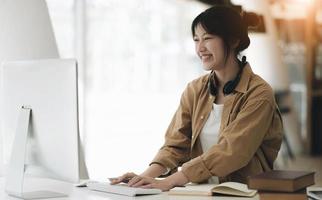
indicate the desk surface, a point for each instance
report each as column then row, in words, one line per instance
column 86, row 194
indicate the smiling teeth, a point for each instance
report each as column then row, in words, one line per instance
column 205, row 56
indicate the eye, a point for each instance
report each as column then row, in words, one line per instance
column 195, row 39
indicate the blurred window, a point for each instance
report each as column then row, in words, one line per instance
column 136, row 59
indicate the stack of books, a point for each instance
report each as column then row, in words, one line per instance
column 281, row 184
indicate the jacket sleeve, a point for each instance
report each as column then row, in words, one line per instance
column 176, row 149
column 237, row 144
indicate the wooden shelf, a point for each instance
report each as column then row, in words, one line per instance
column 300, row 22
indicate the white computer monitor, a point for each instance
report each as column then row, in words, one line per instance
column 26, row 32
column 40, row 111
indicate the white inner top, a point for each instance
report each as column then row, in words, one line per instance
column 210, row 132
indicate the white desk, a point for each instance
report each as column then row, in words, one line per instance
column 85, row 194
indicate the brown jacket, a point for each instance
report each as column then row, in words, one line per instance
column 250, row 132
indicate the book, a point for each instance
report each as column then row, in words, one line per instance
column 299, row 195
column 281, row 180
column 315, row 193
column 227, row 188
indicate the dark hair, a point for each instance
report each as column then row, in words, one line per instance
column 228, row 24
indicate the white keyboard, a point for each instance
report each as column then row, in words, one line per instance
column 121, row 189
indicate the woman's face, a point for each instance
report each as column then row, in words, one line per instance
column 209, row 48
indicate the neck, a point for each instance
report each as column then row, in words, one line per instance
column 228, row 72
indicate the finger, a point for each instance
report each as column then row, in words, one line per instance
column 130, row 174
column 134, row 180
column 147, row 186
column 124, row 178
column 141, row 183
column 113, row 180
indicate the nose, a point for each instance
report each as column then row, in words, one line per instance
column 200, row 47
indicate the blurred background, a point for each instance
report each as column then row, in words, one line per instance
column 136, row 57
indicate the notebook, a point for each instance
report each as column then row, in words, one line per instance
column 315, row 194
column 121, row 189
column 281, row 180
column 227, row 188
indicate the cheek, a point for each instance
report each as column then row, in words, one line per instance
column 196, row 49
column 217, row 52
column 213, row 48
column 221, row 49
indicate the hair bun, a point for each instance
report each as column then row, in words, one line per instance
column 251, row 19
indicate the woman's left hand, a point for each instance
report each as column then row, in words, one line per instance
column 148, row 182
column 176, row 179
column 164, row 185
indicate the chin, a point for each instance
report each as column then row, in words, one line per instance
column 207, row 68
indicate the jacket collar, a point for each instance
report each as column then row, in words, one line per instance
column 244, row 80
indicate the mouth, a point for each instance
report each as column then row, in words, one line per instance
column 205, row 57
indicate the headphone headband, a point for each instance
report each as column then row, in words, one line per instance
column 230, row 85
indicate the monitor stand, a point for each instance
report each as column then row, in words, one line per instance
column 16, row 169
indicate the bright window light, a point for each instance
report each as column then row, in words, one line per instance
column 139, row 56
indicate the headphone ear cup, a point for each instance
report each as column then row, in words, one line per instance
column 229, row 87
column 212, row 88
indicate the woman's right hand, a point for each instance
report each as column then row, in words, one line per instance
column 125, row 178
column 152, row 171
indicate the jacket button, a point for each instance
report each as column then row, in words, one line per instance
column 201, row 117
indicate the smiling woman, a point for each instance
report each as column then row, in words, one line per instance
column 227, row 126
